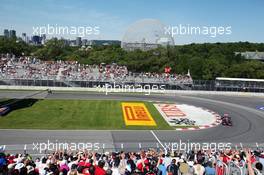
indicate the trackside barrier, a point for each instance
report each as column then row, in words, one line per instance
column 166, row 92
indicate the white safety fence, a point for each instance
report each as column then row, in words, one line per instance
column 146, row 92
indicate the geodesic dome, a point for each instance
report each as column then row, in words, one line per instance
column 147, row 31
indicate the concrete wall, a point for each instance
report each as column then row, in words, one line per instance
column 102, row 90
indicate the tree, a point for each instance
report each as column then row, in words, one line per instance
column 205, row 61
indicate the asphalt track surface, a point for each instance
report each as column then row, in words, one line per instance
column 247, row 130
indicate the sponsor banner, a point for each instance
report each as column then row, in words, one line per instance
column 137, row 114
column 185, row 115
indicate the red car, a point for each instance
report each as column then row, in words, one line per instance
column 226, row 120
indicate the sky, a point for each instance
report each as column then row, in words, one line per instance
column 113, row 17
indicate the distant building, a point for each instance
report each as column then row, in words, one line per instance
column 36, row 40
column 84, row 42
column 144, row 46
column 66, row 41
column 24, row 37
column 252, row 55
column 6, row 33
column 72, row 42
column 12, row 34
column 28, row 40
column 104, row 42
column 43, row 39
column 9, row 33
column 78, row 41
column 139, row 46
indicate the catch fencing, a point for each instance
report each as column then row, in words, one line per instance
column 199, row 85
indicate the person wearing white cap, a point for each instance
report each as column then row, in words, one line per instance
column 191, row 168
column 19, row 166
column 198, row 169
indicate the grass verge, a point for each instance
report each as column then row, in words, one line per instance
column 73, row 115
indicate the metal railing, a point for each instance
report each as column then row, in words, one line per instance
column 205, row 85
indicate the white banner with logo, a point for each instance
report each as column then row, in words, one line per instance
column 185, row 115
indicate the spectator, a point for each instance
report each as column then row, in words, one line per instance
column 259, row 167
column 161, row 167
column 173, row 168
column 199, row 169
column 148, row 162
column 184, row 167
column 99, row 170
column 26, row 68
column 73, row 172
column 209, row 169
column 123, row 164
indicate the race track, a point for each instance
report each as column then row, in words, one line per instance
column 248, row 126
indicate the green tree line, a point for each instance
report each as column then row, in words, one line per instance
column 205, row 61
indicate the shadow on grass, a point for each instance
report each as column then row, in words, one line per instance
column 15, row 104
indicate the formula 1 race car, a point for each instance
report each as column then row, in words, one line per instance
column 4, row 110
column 226, row 120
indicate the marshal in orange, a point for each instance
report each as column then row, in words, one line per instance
column 137, row 114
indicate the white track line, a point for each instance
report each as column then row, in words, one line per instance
column 158, row 140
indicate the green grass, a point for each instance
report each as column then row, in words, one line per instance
column 74, row 114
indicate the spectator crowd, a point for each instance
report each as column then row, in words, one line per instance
column 31, row 68
column 150, row 162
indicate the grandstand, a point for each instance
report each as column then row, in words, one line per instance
column 25, row 71
column 252, row 55
column 239, row 84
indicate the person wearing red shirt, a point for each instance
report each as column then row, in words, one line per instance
column 99, row 169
